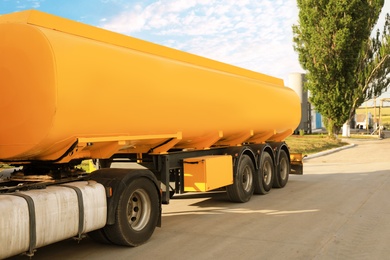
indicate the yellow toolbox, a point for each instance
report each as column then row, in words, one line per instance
column 207, row 172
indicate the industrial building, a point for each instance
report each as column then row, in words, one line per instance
column 311, row 120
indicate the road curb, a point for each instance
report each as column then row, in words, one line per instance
column 311, row 156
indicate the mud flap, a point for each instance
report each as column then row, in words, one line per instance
column 296, row 163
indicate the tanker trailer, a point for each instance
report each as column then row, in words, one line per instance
column 72, row 92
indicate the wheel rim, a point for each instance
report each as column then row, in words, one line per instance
column 283, row 168
column 267, row 172
column 247, row 178
column 138, row 209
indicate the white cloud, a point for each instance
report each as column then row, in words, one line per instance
column 247, row 33
column 28, row 4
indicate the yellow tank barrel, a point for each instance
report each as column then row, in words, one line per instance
column 70, row 90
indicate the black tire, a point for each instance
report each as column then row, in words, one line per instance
column 99, row 236
column 242, row 188
column 136, row 215
column 264, row 177
column 281, row 176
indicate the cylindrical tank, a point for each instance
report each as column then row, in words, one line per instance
column 58, row 211
column 296, row 82
column 61, row 80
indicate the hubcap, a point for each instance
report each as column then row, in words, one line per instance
column 283, row 168
column 267, row 171
column 138, row 209
column 247, row 178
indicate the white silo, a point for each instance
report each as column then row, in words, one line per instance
column 296, row 82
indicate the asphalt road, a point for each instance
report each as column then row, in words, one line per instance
column 339, row 209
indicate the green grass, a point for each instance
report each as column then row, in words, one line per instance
column 309, row 144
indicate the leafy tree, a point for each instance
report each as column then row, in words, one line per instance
column 373, row 71
column 329, row 40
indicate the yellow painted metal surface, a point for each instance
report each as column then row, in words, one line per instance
column 296, row 160
column 72, row 89
column 207, row 172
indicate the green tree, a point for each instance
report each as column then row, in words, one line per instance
column 373, row 70
column 329, row 39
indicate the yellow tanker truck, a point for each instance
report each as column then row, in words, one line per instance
column 71, row 92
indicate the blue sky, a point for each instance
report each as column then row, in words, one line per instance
column 254, row 34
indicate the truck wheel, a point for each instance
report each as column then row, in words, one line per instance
column 264, row 177
column 242, row 188
column 99, row 236
column 281, row 176
column 136, row 215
